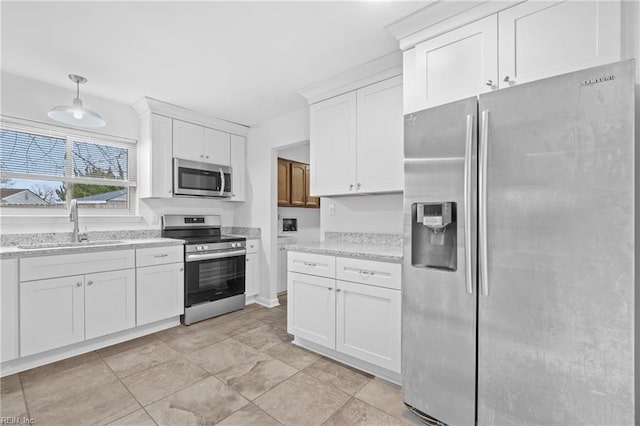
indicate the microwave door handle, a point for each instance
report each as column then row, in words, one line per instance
column 222, row 181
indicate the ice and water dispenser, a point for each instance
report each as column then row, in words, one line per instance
column 434, row 235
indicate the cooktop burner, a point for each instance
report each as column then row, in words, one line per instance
column 195, row 229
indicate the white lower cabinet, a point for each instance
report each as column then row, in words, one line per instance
column 368, row 323
column 109, row 302
column 159, row 292
column 51, row 313
column 252, row 271
column 360, row 318
column 9, row 310
column 311, row 312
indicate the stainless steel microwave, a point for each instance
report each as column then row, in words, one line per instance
column 193, row 178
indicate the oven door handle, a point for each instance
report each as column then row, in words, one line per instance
column 220, row 255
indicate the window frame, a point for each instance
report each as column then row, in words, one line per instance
column 71, row 135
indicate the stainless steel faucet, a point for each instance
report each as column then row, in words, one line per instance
column 73, row 217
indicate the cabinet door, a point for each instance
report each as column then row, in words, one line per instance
column 457, row 64
column 238, row 168
column 541, row 39
column 298, row 184
column 284, row 182
column 311, row 308
column 188, row 141
column 159, row 292
column 368, row 321
column 333, row 145
column 379, row 155
column 217, row 147
column 158, row 165
column 9, row 309
column 252, row 283
column 109, row 302
column 51, row 314
column 313, row 202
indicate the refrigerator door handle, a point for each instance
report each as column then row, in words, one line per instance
column 468, row 151
column 484, row 137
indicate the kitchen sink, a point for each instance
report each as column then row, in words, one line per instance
column 69, row 244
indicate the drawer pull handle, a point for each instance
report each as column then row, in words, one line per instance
column 160, row 255
column 366, row 274
column 309, row 264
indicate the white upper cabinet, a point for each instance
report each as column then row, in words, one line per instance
column 197, row 143
column 217, row 147
column 333, row 145
column 455, row 65
column 379, row 154
column 155, row 155
column 539, row 39
column 525, row 42
column 238, row 168
column 188, row 141
column 356, row 141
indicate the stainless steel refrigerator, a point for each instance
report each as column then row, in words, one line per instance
column 518, row 279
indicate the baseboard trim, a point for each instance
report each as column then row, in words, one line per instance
column 269, row 303
column 37, row 360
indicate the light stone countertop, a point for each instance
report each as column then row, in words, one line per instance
column 385, row 253
column 13, row 252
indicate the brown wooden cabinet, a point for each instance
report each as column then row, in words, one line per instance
column 284, row 182
column 293, row 185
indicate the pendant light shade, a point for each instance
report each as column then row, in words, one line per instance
column 76, row 114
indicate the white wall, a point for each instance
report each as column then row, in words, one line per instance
column 380, row 214
column 308, row 223
column 299, row 153
column 260, row 210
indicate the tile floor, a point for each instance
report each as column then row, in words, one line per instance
column 237, row 369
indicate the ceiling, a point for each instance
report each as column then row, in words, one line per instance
column 241, row 61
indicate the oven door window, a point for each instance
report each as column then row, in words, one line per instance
column 202, row 180
column 214, row 279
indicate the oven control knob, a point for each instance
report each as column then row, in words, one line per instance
column 234, row 244
column 205, row 248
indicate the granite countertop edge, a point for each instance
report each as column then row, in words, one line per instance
column 364, row 251
column 15, row 252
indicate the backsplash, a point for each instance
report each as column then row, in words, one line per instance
column 241, row 231
column 364, row 238
column 62, row 237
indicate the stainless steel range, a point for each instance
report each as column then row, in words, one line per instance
column 214, row 266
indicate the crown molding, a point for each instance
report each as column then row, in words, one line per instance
column 149, row 105
column 442, row 16
column 379, row 69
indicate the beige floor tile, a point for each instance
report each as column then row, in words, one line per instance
column 264, row 337
column 356, row 412
column 345, row 378
column 137, row 418
column 268, row 315
column 140, row 358
column 163, row 379
column 101, row 405
column 128, row 345
column 204, row 403
column 249, row 415
column 239, row 326
column 383, row 395
column 41, row 390
column 293, row 355
column 221, row 356
column 186, row 339
column 12, row 402
column 50, row 369
column 280, row 323
column 256, row 375
column 302, row 400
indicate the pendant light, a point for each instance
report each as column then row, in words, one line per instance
column 76, row 114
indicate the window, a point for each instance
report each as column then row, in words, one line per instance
column 44, row 166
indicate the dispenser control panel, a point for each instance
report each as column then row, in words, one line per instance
column 434, row 215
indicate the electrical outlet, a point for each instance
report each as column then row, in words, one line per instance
column 332, row 209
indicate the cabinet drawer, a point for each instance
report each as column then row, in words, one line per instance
column 36, row 268
column 159, row 255
column 381, row 274
column 312, row 264
column 253, row 246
